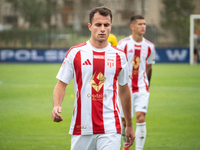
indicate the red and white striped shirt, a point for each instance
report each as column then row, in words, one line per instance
column 96, row 74
column 138, row 55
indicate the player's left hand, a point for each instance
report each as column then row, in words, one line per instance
column 130, row 136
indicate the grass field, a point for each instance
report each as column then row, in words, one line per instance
column 173, row 118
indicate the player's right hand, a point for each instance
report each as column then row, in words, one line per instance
column 130, row 76
column 55, row 114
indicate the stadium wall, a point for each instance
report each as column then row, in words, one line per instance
column 10, row 55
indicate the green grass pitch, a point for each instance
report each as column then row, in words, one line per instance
column 173, row 118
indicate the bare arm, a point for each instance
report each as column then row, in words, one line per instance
column 125, row 97
column 58, row 96
column 149, row 72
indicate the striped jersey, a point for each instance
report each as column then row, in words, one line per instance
column 96, row 74
column 138, row 55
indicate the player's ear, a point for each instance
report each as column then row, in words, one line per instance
column 131, row 26
column 89, row 26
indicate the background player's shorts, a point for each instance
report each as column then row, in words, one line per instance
column 139, row 102
column 110, row 141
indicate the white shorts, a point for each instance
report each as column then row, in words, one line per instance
column 96, row 142
column 139, row 103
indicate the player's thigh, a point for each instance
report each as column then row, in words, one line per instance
column 141, row 100
column 110, row 141
column 83, row 142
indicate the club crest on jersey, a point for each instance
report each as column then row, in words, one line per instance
column 97, row 81
column 144, row 51
column 110, row 62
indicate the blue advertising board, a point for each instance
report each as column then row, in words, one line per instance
column 32, row 55
column 163, row 55
column 172, row 55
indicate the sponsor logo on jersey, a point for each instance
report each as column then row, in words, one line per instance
column 99, row 56
column 136, row 62
column 137, row 47
column 79, row 127
column 131, row 51
column 110, row 62
column 97, row 81
column 87, row 62
column 135, row 71
column 97, row 96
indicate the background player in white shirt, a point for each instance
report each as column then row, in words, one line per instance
column 99, row 70
column 141, row 55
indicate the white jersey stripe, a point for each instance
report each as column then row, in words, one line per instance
column 116, row 109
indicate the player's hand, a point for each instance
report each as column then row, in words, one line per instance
column 55, row 114
column 130, row 136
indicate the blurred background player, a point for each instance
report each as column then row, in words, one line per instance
column 196, row 45
column 141, row 55
column 112, row 39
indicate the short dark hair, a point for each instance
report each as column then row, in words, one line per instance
column 104, row 11
column 135, row 17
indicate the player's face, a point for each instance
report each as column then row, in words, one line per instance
column 139, row 26
column 100, row 27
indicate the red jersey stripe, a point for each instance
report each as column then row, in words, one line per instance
column 135, row 73
column 78, row 71
column 125, row 50
column 97, row 104
column 149, row 52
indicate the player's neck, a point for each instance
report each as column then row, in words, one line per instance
column 98, row 45
column 137, row 38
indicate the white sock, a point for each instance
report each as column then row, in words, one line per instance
column 140, row 135
column 123, row 134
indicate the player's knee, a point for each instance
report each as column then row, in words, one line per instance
column 140, row 117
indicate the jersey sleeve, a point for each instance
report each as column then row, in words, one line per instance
column 151, row 58
column 123, row 75
column 65, row 73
